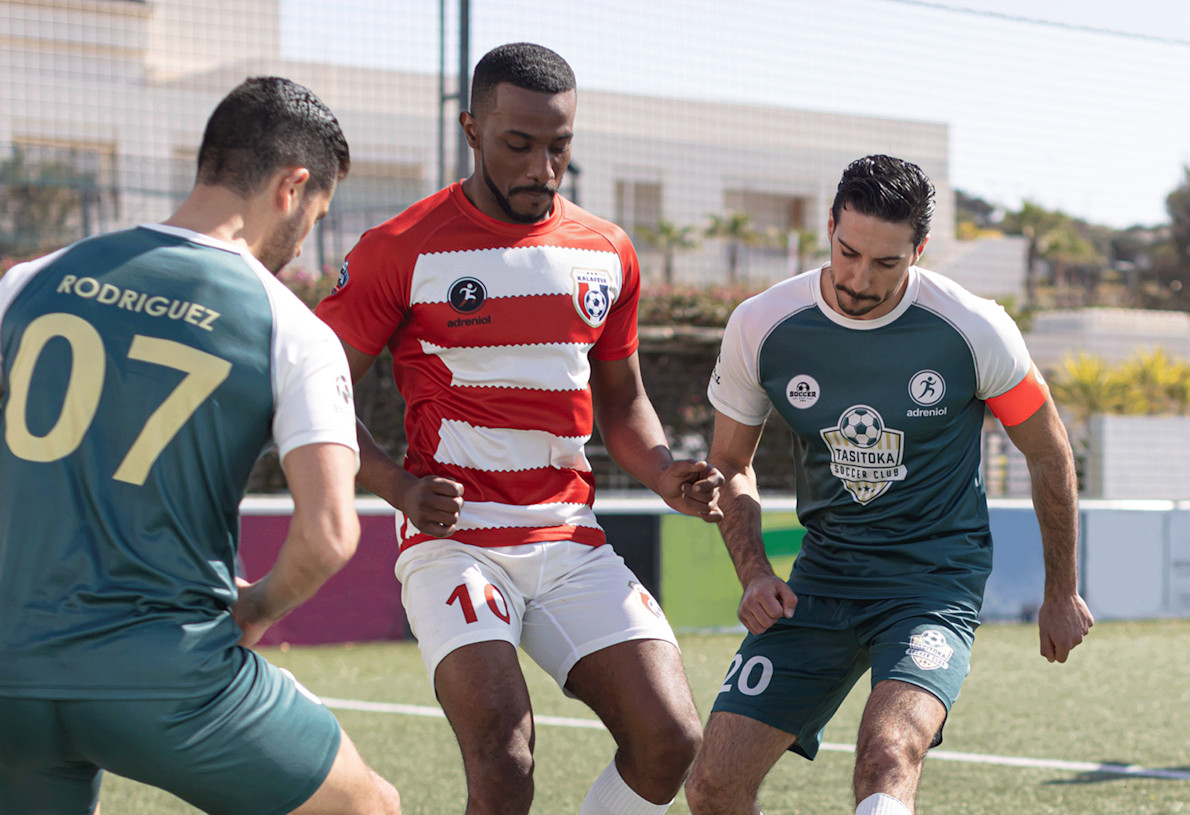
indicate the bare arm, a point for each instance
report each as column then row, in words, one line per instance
column 431, row 503
column 323, row 535
column 767, row 597
column 634, row 437
column 1064, row 619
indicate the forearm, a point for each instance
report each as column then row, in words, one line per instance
column 379, row 473
column 741, row 527
column 1055, row 500
column 297, row 576
column 635, row 440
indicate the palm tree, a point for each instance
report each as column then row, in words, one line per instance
column 1152, row 383
column 736, row 229
column 668, row 238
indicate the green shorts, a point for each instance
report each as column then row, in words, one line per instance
column 262, row 745
column 795, row 675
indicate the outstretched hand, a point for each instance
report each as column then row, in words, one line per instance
column 692, row 488
column 432, row 504
column 766, row 600
column 1062, row 624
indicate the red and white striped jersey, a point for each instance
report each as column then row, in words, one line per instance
column 490, row 325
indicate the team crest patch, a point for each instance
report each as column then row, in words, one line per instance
column 467, row 295
column 802, row 391
column 343, row 278
column 646, row 599
column 929, row 650
column 343, row 386
column 866, row 454
column 592, row 295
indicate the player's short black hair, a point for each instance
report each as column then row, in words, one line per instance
column 890, row 189
column 523, row 64
column 268, row 123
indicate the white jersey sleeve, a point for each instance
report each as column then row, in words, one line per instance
column 735, row 389
column 1001, row 359
column 311, row 378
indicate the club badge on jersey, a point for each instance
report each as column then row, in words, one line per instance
column 592, row 295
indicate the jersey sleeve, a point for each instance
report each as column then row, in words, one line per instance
column 311, row 381
column 735, row 389
column 619, row 337
column 370, row 300
column 1008, row 380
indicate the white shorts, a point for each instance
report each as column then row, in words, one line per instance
column 558, row 600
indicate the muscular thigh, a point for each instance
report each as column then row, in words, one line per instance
column 590, row 600
column 457, row 595
column 40, row 771
column 794, row 676
column 263, row 745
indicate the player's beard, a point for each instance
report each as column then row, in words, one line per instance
column 283, row 244
column 505, row 204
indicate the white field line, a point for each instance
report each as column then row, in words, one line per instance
column 940, row 755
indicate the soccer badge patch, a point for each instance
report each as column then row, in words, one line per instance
column 929, row 650
column 866, row 454
column 592, row 295
column 646, row 599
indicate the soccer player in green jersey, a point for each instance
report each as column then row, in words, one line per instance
column 144, row 371
column 883, row 370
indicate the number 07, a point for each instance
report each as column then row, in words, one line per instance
column 204, row 373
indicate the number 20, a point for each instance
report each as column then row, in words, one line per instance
column 745, row 683
column 204, row 373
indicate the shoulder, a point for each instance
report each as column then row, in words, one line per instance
column 413, row 226
column 584, row 224
column 778, row 302
column 969, row 313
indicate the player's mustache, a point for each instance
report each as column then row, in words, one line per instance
column 535, row 190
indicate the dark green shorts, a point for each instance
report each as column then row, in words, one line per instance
column 795, row 675
column 262, row 745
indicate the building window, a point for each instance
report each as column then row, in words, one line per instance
column 53, row 193
column 638, row 203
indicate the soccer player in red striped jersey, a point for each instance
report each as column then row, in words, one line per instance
column 884, row 372
column 511, row 317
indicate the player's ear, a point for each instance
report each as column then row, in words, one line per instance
column 921, row 247
column 288, row 186
column 470, row 127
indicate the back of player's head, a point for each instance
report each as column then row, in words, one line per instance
column 523, row 64
column 266, row 124
column 890, row 189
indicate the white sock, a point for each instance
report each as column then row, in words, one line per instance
column 609, row 795
column 881, row 804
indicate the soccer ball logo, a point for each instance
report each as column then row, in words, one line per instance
column 933, row 639
column 595, row 302
column 861, row 425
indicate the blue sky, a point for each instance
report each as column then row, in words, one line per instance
column 1061, row 112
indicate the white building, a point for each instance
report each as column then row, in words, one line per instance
column 120, row 91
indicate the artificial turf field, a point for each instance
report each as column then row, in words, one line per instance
column 1122, row 699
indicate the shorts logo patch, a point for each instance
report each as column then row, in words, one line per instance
column 646, row 599
column 467, row 295
column 929, row 650
column 592, row 295
column 803, row 391
column 927, row 388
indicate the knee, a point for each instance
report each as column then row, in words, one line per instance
column 500, row 778
column 707, row 794
column 668, row 750
column 888, row 756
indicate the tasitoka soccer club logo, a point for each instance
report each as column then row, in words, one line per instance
column 866, row 455
column 930, row 650
column 592, row 295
